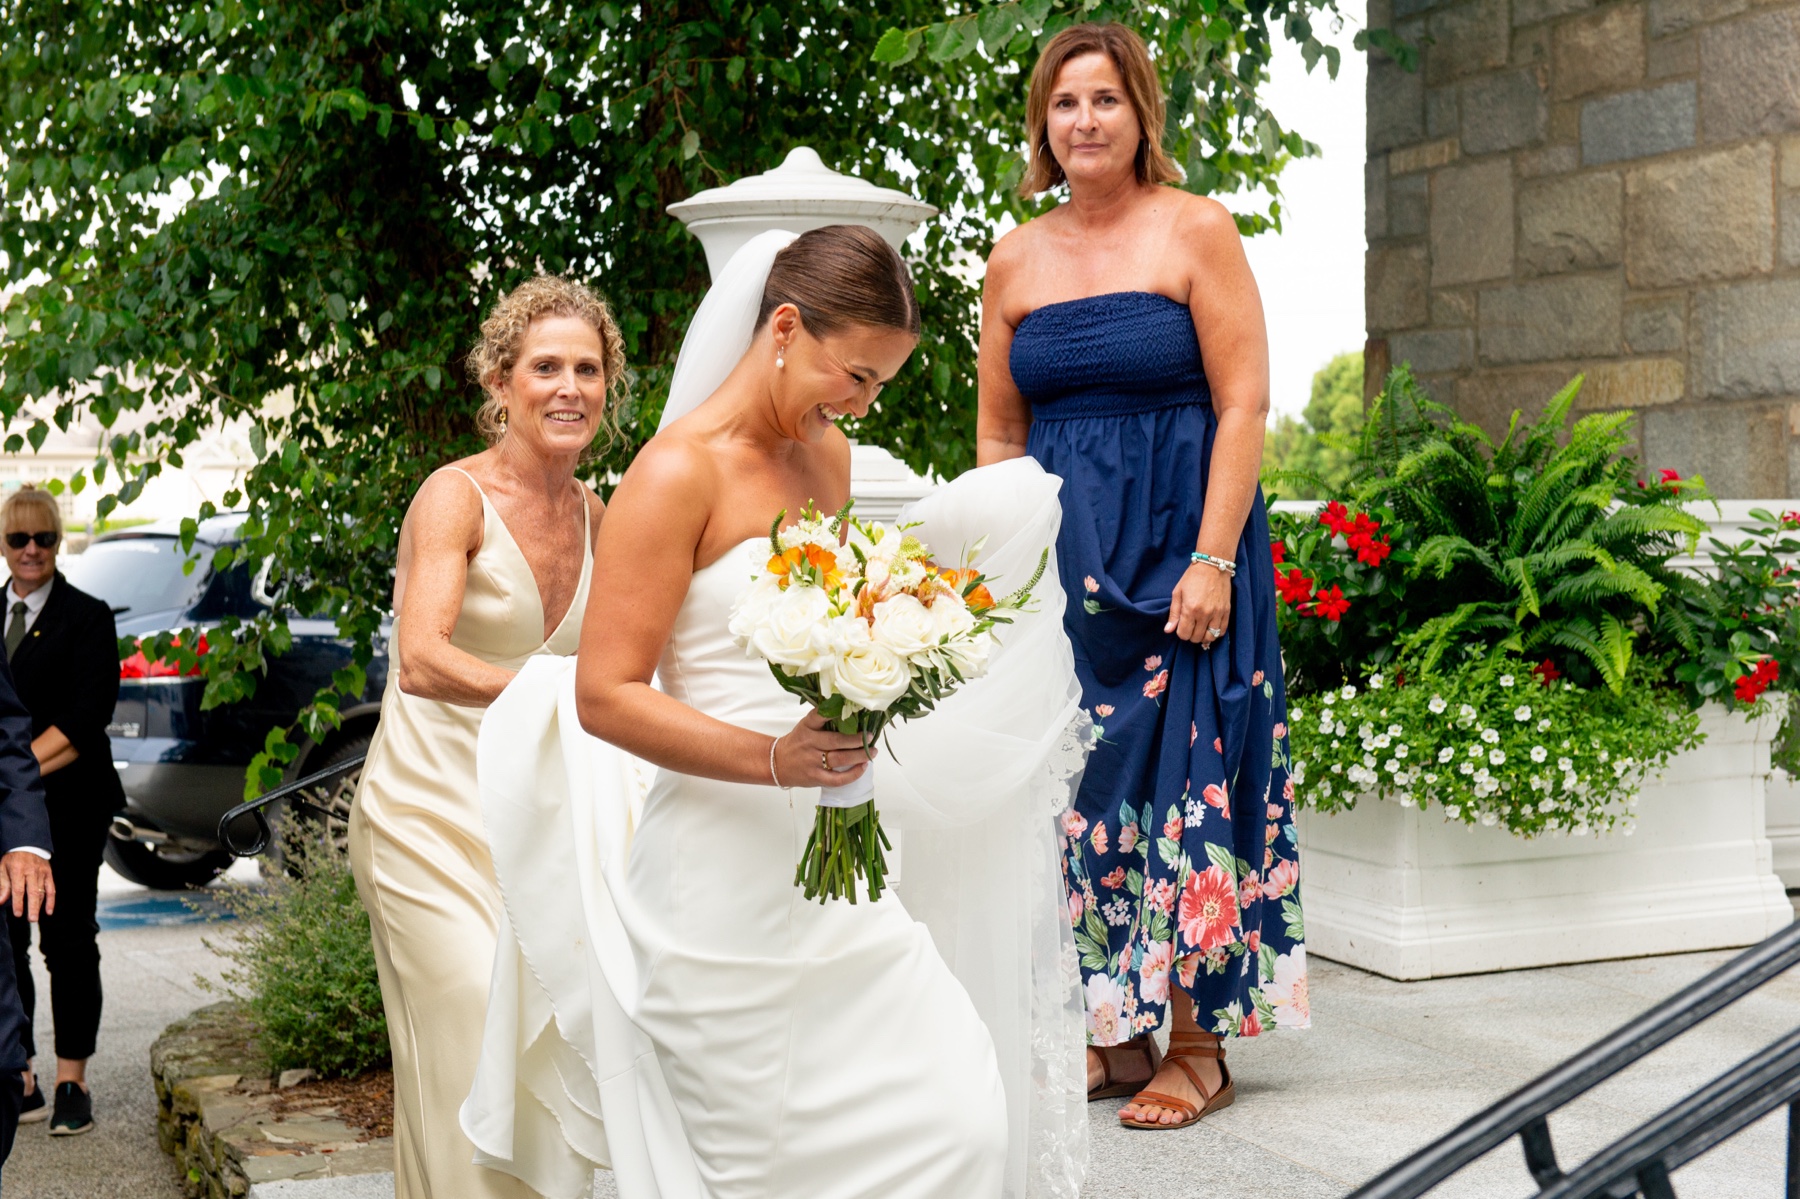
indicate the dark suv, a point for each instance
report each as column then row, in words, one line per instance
column 184, row 768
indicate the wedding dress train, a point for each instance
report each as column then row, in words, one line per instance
column 667, row 1003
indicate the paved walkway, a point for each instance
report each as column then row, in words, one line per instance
column 1387, row 1067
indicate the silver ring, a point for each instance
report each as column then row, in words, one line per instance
column 1214, row 632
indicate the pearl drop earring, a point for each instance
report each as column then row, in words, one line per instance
column 780, row 363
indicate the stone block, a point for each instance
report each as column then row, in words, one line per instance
column 1750, row 76
column 1669, row 57
column 1434, row 351
column 1551, row 160
column 1638, row 124
column 1453, row 308
column 1710, row 216
column 1657, row 325
column 1550, row 319
column 1600, row 52
column 1571, row 223
column 1472, row 223
column 1466, row 38
column 1531, row 46
column 1395, row 283
column 1529, row 12
column 1407, row 206
column 1746, row 340
column 1790, row 229
column 1441, row 112
column 1489, row 398
column 1423, row 157
column 1565, row 122
column 1673, row 16
column 1503, row 112
column 1640, row 384
column 1396, row 105
column 1790, row 162
column 1738, row 448
column 1375, row 221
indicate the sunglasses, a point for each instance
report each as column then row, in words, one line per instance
column 45, row 541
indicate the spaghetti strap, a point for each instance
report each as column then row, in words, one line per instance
column 471, row 478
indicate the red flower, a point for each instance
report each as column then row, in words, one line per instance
column 1294, row 587
column 1751, row 686
column 1249, row 892
column 1546, row 672
column 1251, row 1025
column 1335, row 517
column 1790, row 520
column 1172, row 830
column 1214, row 794
column 1670, row 476
column 1115, row 879
column 1209, row 909
column 1278, row 551
column 1330, row 604
column 1371, row 552
column 1156, row 686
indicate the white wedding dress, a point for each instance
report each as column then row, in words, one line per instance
column 667, row 1003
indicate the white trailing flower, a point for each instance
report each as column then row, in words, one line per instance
column 1522, row 713
column 1539, row 753
column 1437, row 705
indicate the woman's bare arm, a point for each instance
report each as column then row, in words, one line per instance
column 1234, row 346
column 1002, row 415
column 441, row 533
column 53, row 750
column 642, row 569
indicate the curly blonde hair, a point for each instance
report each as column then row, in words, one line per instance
column 503, row 332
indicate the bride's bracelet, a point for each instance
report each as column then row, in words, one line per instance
column 773, row 746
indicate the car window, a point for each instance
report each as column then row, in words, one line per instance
column 137, row 574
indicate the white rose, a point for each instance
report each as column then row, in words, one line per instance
column 905, row 626
column 950, row 617
column 753, row 608
column 786, row 634
column 968, row 654
column 871, row 676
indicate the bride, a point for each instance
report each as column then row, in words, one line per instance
column 665, row 1001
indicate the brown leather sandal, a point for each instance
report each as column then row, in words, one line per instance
column 1182, row 1046
column 1109, row 1088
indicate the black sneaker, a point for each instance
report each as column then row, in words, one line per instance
column 34, row 1109
column 74, row 1111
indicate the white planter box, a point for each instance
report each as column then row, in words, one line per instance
column 1784, row 826
column 1411, row 895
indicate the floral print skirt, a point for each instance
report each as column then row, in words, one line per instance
column 1181, row 858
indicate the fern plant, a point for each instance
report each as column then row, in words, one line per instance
column 1532, row 545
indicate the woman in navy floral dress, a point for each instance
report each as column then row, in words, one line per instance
column 1123, row 347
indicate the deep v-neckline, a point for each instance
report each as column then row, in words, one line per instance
column 537, row 592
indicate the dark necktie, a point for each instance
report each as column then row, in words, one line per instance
column 15, row 628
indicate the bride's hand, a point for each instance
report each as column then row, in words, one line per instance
column 811, row 754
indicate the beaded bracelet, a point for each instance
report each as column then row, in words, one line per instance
column 773, row 746
column 1229, row 568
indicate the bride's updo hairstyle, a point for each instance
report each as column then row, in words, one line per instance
column 841, row 277
column 1142, row 88
column 503, row 333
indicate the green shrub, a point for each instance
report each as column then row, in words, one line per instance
column 1313, row 456
column 303, row 965
column 1491, row 739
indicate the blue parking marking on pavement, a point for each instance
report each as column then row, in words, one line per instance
column 155, row 910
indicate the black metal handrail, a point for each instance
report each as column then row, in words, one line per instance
column 1642, row 1161
column 289, row 791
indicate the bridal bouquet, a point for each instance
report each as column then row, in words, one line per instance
column 857, row 619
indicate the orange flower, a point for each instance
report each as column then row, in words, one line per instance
column 978, row 600
column 823, row 561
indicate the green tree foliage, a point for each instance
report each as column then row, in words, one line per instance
column 1312, row 457
column 292, row 215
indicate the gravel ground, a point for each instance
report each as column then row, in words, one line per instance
column 150, row 953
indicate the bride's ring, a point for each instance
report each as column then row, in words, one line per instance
column 824, row 762
column 1214, row 632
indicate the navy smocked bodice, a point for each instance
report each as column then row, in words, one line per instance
column 1107, row 355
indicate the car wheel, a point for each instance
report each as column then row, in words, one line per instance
column 334, row 796
column 165, row 870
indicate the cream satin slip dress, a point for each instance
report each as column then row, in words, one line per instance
column 420, row 855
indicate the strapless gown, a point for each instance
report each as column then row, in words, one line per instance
column 676, row 1009
column 423, row 870
column 1183, row 864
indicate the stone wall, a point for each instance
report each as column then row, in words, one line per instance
column 1611, row 188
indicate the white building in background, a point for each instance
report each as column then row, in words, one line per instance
column 211, row 467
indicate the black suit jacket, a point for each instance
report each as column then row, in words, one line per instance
column 23, row 818
column 67, row 673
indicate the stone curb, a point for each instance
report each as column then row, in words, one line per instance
column 217, row 1114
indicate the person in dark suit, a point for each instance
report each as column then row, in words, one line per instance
column 27, row 887
column 62, row 649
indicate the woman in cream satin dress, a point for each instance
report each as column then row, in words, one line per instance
column 495, row 556
column 666, row 1001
